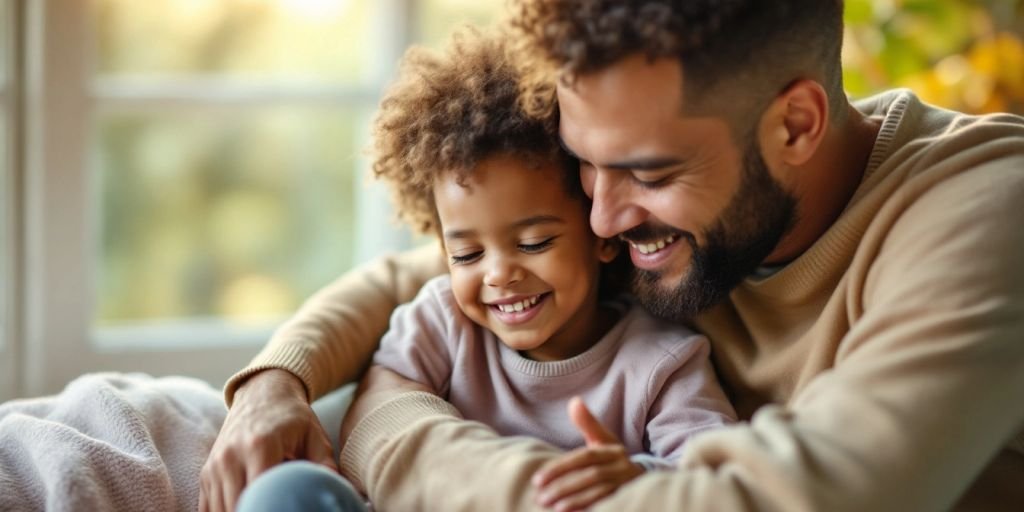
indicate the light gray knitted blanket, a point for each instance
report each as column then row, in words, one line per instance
column 109, row 442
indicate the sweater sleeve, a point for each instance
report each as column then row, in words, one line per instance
column 329, row 341
column 422, row 340
column 927, row 384
column 415, row 452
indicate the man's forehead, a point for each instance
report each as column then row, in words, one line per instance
column 635, row 72
column 617, row 113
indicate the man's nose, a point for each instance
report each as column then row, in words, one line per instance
column 613, row 211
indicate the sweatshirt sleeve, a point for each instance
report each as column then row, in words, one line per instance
column 422, row 340
column 330, row 340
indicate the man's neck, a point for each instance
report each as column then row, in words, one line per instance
column 827, row 182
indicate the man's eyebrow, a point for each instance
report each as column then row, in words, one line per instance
column 652, row 163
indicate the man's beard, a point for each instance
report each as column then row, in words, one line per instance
column 747, row 231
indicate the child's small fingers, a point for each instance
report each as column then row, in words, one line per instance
column 572, row 461
column 585, row 498
column 570, row 483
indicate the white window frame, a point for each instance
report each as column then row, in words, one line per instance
column 10, row 282
column 60, row 243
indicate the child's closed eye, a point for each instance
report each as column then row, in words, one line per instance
column 460, row 259
column 537, row 247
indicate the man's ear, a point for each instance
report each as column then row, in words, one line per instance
column 794, row 124
column 608, row 249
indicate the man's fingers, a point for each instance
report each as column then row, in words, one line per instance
column 204, row 495
column 319, row 449
column 261, row 457
column 232, row 481
column 231, row 488
column 593, row 431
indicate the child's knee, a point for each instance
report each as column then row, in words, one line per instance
column 300, row 485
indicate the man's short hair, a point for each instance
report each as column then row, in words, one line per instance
column 743, row 52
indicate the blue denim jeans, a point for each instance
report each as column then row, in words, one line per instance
column 300, row 486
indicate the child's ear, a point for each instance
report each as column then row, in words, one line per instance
column 608, row 249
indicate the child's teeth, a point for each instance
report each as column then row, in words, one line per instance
column 516, row 307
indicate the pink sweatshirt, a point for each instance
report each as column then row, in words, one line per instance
column 649, row 382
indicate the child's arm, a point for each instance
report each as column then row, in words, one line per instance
column 580, row 478
column 687, row 399
column 420, row 345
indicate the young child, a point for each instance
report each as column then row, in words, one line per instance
column 521, row 325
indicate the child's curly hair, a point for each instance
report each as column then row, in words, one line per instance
column 449, row 111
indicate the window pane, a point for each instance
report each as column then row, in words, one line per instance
column 239, row 214
column 439, row 17
column 319, row 39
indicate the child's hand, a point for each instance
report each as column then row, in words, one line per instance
column 583, row 476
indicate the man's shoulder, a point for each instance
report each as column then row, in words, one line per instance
column 933, row 134
column 925, row 154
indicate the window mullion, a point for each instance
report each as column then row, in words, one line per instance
column 10, row 206
column 57, row 224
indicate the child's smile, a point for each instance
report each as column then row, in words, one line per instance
column 518, row 310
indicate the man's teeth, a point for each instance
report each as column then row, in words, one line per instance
column 654, row 247
column 516, row 307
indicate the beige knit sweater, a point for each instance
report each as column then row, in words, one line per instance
column 881, row 370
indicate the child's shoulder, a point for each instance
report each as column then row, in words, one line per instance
column 441, row 284
column 438, row 293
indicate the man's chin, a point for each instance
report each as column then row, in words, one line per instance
column 664, row 297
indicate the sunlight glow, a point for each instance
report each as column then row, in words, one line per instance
column 313, row 10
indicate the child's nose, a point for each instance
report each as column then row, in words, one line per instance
column 503, row 272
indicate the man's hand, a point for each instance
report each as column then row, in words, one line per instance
column 270, row 422
column 583, row 476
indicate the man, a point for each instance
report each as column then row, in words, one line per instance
column 855, row 267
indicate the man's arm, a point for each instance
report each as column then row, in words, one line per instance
column 327, row 343
column 926, row 388
column 925, row 392
column 410, row 450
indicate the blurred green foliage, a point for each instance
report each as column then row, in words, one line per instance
column 965, row 55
